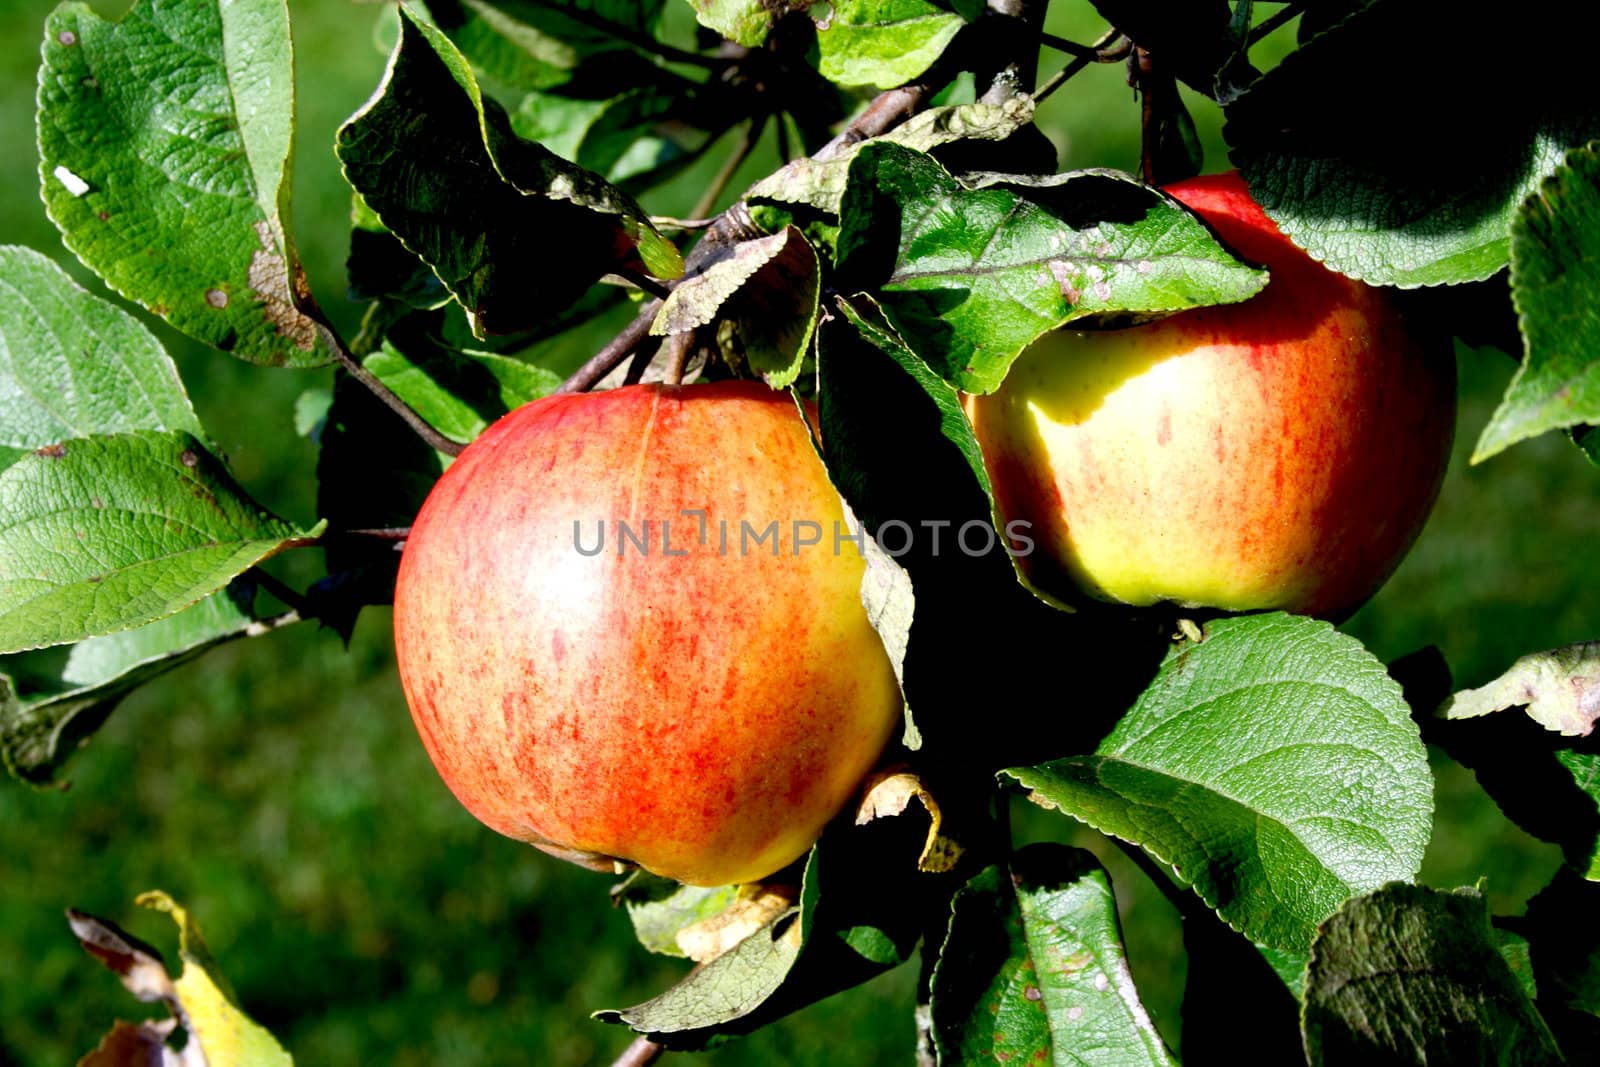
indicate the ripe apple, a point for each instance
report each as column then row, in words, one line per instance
column 603, row 660
column 1279, row 453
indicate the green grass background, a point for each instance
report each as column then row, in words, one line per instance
column 278, row 790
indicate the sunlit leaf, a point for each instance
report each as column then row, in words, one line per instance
column 164, row 146
column 106, row 533
column 1273, row 766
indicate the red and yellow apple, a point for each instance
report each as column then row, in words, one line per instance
column 606, row 657
column 1279, row 453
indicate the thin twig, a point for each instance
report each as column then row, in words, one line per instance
column 785, row 149
column 641, row 1053
column 388, row 533
column 725, row 173
column 642, row 357
column 1267, row 25
column 1071, row 48
column 382, row 533
column 260, row 627
column 605, row 360
column 282, row 590
column 1110, row 48
column 642, row 41
column 668, row 222
column 888, row 109
column 420, row 426
column 643, row 281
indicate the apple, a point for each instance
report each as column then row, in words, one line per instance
column 628, row 628
column 1279, row 453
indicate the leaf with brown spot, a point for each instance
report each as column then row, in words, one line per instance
column 175, row 125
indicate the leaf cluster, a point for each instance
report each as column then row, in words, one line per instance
column 1268, row 772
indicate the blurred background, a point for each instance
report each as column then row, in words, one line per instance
column 276, row 787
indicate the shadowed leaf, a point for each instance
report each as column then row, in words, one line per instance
column 1555, row 274
column 1413, row 975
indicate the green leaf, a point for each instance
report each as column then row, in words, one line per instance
column 883, row 43
column 891, row 602
column 665, row 907
column 1274, row 766
column 373, row 472
column 52, row 700
column 901, row 452
column 744, row 22
column 1033, row 969
column 1555, row 278
column 1405, row 173
column 1515, row 951
column 164, row 147
column 459, row 393
column 1290, row 966
column 105, row 533
column 1560, row 690
column 861, row 907
column 220, row 1033
column 515, row 232
column 72, row 364
column 765, row 293
column 962, row 456
column 971, row 275
column 1413, row 975
column 734, row 984
column 530, row 45
column 615, row 137
column 820, row 183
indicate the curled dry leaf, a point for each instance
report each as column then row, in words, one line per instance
column 1560, row 689
column 755, row 906
column 140, row 1045
column 139, row 965
column 219, row 1032
column 889, row 793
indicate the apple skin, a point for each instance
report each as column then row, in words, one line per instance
column 1279, row 453
column 701, row 715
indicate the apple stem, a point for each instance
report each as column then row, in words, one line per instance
column 604, row 361
column 1170, row 148
column 677, row 347
column 641, row 1053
